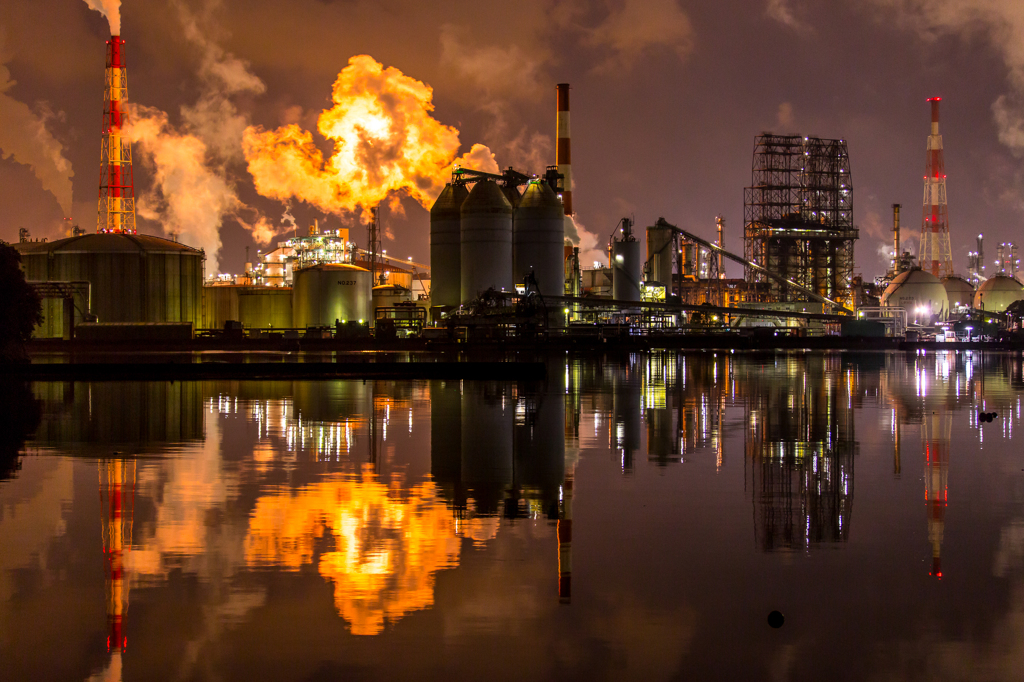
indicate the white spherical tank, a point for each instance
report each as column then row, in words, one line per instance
column 959, row 292
column 539, row 238
column 486, row 254
column 997, row 293
column 626, row 270
column 920, row 293
column 446, row 246
column 329, row 293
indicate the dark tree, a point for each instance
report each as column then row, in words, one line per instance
column 20, row 308
column 19, row 418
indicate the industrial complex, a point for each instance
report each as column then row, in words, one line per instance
column 501, row 266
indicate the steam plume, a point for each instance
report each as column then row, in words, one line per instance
column 577, row 235
column 385, row 140
column 24, row 137
column 111, row 9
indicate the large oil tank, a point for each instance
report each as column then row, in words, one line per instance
column 539, row 239
column 626, row 270
column 659, row 254
column 920, row 293
column 486, row 255
column 446, row 246
column 328, row 293
column 265, row 307
column 220, row 304
column 996, row 293
column 387, row 296
column 959, row 292
column 134, row 277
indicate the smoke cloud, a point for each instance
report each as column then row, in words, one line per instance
column 111, row 9
column 1002, row 21
column 634, row 27
column 24, row 138
column 384, row 137
column 188, row 196
column 590, row 247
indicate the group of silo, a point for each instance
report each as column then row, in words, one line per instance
column 493, row 238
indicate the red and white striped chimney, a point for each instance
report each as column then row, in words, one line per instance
column 562, row 156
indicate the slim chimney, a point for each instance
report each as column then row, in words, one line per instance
column 896, row 238
column 562, row 156
column 720, row 222
column 117, row 186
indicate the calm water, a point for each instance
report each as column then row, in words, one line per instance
column 631, row 518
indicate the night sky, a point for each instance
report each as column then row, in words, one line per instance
column 667, row 99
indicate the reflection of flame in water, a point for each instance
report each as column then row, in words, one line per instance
column 388, row 543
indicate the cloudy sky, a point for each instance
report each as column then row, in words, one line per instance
column 667, row 98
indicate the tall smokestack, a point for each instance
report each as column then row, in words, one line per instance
column 896, row 238
column 720, row 224
column 936, row 254
column 562, row 155
column 117, row 186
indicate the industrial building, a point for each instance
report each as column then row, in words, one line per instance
column 501, row 266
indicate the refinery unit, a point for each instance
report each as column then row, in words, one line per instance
column 501, row 266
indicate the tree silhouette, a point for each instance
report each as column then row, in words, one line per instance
column 20, row 309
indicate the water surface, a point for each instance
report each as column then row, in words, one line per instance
column 633, row 517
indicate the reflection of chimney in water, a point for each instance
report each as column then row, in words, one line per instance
column 936, row 491
column 565, row 543
column 117, row 491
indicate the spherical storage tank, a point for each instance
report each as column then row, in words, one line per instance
column 133, row 277
column 486, row 254
column 997, row 293
column 446, row 246
column 328, row 293
column 959, row 292
column 920, row 293
column 538, row 239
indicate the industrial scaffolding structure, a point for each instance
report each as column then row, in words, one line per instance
column 798, row 217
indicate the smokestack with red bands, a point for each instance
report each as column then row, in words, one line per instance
column 562, row 155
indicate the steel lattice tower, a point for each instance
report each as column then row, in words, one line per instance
column 935, row 256
column 117, row 186
column 798, row 216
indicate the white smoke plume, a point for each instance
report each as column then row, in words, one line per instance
column 111, row 9
column 193, row 192
column 1002, row 22
column 591, row 250
column 24, row 137
column 189, row 196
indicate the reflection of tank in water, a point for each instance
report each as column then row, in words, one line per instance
column 801, row 451
column 141, row 415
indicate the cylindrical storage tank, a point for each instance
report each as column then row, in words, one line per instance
column 920, row 293
column 387, row 296
column 446, row 439
column 488, row 412
column 997, row 293
column 486, row 254
column 265, row 307
column 328, row 293
column 959, row 292
column 134, row 277
column 511, row 193
column 626, row 270
column 446, row 246
column 220, row 304
column 659, row 254
column 538, row 241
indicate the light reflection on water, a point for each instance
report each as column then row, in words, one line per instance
column 299, row 522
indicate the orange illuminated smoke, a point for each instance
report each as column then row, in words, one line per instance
column 384, row 140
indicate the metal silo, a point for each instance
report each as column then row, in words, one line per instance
column 626, row 270
column 220, row 304
column 486, row 254
column 487, row 418
column 446, row 246
column 539, row 238
column 134, row 277
column 265, row 307
column 659, row 254
column 328, row 293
